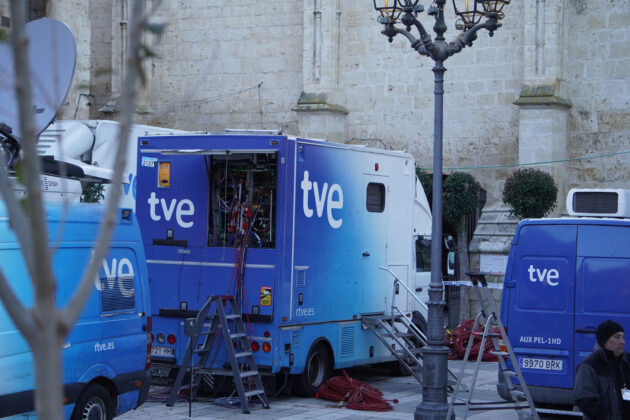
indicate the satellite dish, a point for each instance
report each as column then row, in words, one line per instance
column 52, row 53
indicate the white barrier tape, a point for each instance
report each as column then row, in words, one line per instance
column 469, row 283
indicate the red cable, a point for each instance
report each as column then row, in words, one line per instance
column 459, row 338
column 356, row 394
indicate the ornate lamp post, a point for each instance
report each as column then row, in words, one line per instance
column 470, row 14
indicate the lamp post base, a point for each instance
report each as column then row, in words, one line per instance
column 431, row 411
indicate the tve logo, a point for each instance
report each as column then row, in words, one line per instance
column 116, row 270
column 184, row 208
column 331, row 198
column 545, row 275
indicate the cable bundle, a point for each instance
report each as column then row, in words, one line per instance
column 356, row 394
column 457, row 341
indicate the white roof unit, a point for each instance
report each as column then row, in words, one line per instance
column 599, row 202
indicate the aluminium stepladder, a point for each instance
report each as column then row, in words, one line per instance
column 492, row 329
column 228, row 319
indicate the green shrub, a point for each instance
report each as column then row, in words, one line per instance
column 530, row 193
column 460, row 193
column 92, row 193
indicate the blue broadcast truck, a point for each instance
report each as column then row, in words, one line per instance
column 106, row 356
column 564, row 276
column 296, row 230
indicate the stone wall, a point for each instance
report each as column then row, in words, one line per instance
column 247, row 64
column 552, row 85
column 597, row 78
column 75, row 14
column 235, row 65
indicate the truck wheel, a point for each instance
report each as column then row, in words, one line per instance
column 316, row 371
column 419, row 321
column 95, row 404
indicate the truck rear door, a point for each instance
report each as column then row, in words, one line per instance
column 376, row 285
column 602, row 284
column 540, row 315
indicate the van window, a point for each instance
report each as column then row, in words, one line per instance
column 423, row 254
column 375, row 197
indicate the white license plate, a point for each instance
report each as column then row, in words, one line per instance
column 162, row 351
column 542, row 364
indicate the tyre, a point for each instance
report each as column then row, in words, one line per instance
column 316, row 371
column 95, row 403
column 396, row 368
column 419, row 321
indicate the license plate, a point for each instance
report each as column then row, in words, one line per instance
column 162, row 351
column 542, row 364
column 160, row 372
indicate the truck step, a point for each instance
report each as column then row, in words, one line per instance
column 253, row 392
column 248, row 373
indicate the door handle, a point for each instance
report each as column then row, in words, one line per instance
column 366, row 254
column 585, row 330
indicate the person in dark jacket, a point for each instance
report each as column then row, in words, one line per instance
column 602, row 384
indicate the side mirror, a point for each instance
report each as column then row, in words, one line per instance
column 450, row 263
column 449, row 243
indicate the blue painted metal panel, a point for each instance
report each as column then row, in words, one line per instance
column 542, row 270
column 555, row 317
column 603, row 284
column 110, row 338
column 313, row 279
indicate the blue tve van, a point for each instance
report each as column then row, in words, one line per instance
column 296, row 229
column 563, row 277
column 106, row 356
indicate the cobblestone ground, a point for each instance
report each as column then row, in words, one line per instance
column 405, row 389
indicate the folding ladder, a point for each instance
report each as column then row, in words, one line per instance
column 228, row 319
column 492, row 329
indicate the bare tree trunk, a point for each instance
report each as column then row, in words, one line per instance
column 44, row 326
column 463, row 267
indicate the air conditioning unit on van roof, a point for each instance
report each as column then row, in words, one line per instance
column 598, row 202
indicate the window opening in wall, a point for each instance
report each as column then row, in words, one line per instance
column 375, row 197
column 243, row 190
column 36, row 9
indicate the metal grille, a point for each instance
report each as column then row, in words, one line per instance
column 118, row 294
column 347, row 341
column 301, row 278
column 595, row 202
column 295, row 339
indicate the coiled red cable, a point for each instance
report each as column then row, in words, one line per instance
column 354, row 394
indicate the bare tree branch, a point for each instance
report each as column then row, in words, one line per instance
column 19, row 223
column 36, row 250
column 75, row 306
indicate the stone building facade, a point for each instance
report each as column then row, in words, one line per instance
column 552, row 85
